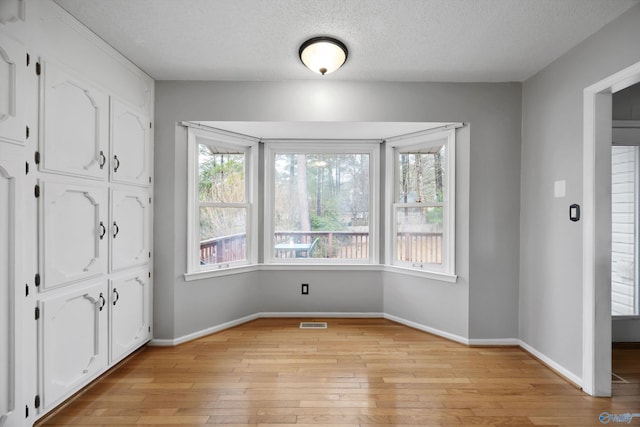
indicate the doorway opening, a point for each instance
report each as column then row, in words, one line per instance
column 597, row 229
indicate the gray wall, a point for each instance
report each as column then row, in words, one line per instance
column 550, row 244
column 488, row 233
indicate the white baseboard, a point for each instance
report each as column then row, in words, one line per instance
column 322, row 314
column 364, row 315
column 202, row 333
column 568, row 375
column 429, row 329
column 494, row 342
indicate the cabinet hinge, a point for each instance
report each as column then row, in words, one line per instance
column 26, row 411
column 26, row 290
column 36, row 402
column 37, row 315
column 26, row 168
column 28, row 59
column 27, row 132
column 37, row 68
column 36, row 157
column 36, row 279
column 36, row 191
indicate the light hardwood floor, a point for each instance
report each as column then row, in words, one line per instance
column 358, row 372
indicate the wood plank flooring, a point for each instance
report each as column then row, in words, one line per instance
column 358, row 372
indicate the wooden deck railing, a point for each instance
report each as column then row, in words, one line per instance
column 330, row 244
column 223, row 249
column 419, row 247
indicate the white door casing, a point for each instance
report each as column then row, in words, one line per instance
column 73, row 240
column 596, row 229
column 130, row 145
column 74, row 124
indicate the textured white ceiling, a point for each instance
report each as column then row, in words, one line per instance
column 388, row 40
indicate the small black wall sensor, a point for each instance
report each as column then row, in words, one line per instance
column 574, row 212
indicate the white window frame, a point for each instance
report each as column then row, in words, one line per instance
column 395, row 146
column 197, row 134
column 370, row 147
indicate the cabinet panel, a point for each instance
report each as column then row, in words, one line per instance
column 72, row 237
column 11, row 11
column 9, row 276
column 16, row 94
column 74, row 119
column 74, row 340
column 130, row 228
column 130, row 299
column 130, row 145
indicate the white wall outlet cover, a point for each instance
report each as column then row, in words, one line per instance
column 560, row 189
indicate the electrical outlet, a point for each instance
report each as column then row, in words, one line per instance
column 305, row 289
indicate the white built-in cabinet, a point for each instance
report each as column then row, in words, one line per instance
column 74, row 339
column 130, row 228
column 130, row 145
column 74, row 118
column 95, row 221
column 14, row 84
column 11, row 274
column 129, row 312
column 73, row 238
column 75, row 208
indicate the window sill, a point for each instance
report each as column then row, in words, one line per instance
column 219, row 272
column 318, row 266
column 442, row 277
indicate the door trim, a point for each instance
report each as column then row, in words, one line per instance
column 596, row 227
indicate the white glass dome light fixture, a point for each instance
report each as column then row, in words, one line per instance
column 323, row 55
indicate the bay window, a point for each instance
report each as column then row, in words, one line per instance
column 320, row 199
column 221, row 199
column 421, row 185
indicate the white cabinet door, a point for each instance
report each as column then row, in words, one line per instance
column 10, row 277
column 130, row 145
column 130, row 227
column 74, row 340
column 73, row 240
column 130, row 299
column 74, row 124
column 17, row 89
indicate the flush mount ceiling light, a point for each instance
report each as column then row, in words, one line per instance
column 323, row 55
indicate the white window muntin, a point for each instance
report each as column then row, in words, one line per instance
column 197, row 135
column 274, row 147
column 411, row 143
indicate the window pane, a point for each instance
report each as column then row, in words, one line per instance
column 221, row 173
column 421, row 175
column 419, row 234
column 223, row 235
column 321, row 200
